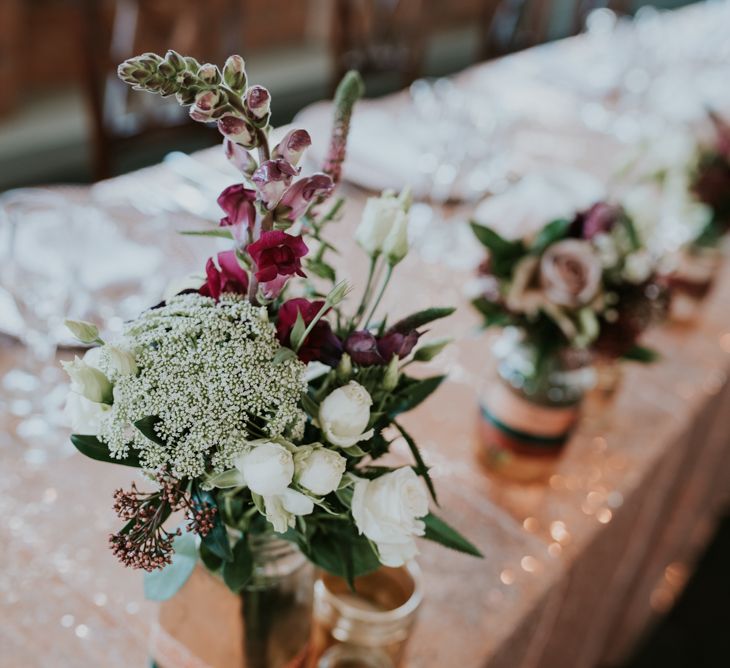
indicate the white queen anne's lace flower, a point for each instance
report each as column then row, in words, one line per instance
column 207, row 372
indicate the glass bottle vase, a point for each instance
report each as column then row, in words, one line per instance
column 266, row 626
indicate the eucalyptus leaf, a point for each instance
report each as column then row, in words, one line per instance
column 162, row 585
column 93, row 448
column 238, row 572
column 439, row 532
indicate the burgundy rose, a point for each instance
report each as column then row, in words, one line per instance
column 599, row 219
column 277, row 253
column 272, row 179
column 228, row 276
column 301, row 194
column 238, row 203
column 293, row 145
column 321, row 344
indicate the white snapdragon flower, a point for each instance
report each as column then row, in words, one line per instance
column 387, row 511
column 87, row 380
column 267, row 468
column 344, row 415
column 319, row 470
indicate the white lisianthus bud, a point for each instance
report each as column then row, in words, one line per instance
column 86, row 332
column 377, row 220
column 387, row 511
column 121, row 362
column 344, row 368
column 281, row 509
column 267, row 468
column 88, row 381
column 638, row 266
column 85, row 416
column 319, row 470
column 395, row 245
column 344, row 415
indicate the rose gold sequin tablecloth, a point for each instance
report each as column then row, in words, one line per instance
column 574, row 569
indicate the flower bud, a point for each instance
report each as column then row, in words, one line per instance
column 234, row 73
column 344, row 368
column 238, row 130
column 392, row 374
column 205, row 102
column 258, row 102
column 395, row 245
column 174, row 59
column 292, row 146
column 239, row 157
column 319, row 470
column 210, row 74
column 377, row 219
column 86, row 332
column 88, row 381
column 344, row 415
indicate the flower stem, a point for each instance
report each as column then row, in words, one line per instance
column 366, row 292
column 388, row 274
column 310, row 326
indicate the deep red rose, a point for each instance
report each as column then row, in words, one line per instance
column 321, row 344
column 228, row 276
column 277, row 253
column 599, row 219
column 238, row 203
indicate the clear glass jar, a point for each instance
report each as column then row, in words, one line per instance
column 266, row 626
column 367, row 627
column 529, row 410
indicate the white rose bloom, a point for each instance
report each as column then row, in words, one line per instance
column 121, row 361
column 570, row 273
column 387, row 511
column 319, row 470
column 344, row 415
column 377, row 220
column 267, row 468
column 395, row 245
column 87, row 380
column 85, row 416
column 638, row 266
column 281, row 509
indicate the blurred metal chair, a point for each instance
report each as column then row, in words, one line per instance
column 118, row 29
column 378, row 36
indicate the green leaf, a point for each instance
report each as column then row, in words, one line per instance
column 420, row 468
column 93, row 448
column 641, row 354
column 421, row 318
column 310, row 405
column 430, row 350
column 220, row 232
column 503, row 253
column 341, row 552
column 297, row 332
column 226, row 479
column 147, row 426
column 283, row 354
column 548, row 235
column 216, row 540
column 211, row 561
column 439, row 532
column 237, row 573
column 322, row 269
column 494, row 314
column 413, row 394
column 164, row 584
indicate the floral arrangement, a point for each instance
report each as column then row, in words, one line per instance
column 252, row 399
column 710, row 181
column 585, row 284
